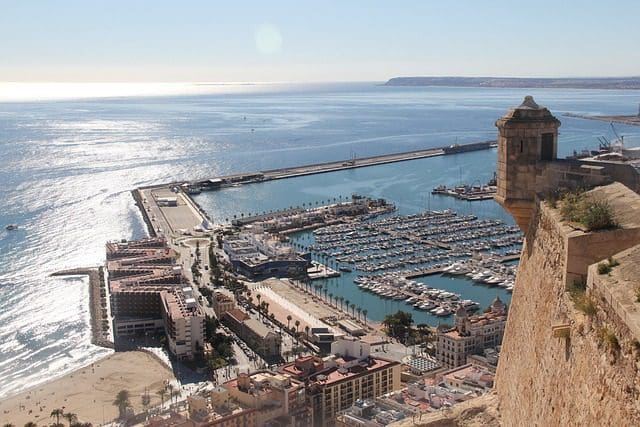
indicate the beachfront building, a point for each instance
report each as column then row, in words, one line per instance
column 222, row 303
column 471, row 335
column 337, row 381
column 183, row 323
column 257, row 256
column 149, row 296
column 138, row 272
column 264, row 341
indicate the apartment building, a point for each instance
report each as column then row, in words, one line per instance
column 337, row 381
column 183, row 322
column 258, row 336
column 471, row 335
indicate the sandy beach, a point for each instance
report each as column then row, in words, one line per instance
column 89, row 391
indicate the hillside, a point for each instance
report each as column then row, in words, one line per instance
column 517, row 82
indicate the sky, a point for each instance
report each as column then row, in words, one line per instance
column 281, row 41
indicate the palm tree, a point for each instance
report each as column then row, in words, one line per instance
column 122, row 402
column 162, row 393
column 353, row 309
column 29, row 424
column 297, row 326
column 358, row 310
column 70, row 417
column 346, row 302
column 289, row 321
column 170, row 390
column 306, row 331
column 57, row 413
column 259, row 297
column 364, row 314
column 145, row 399
column 330, row 297
column 175, row 394
column 340, row 298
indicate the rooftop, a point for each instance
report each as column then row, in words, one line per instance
column 337, row 374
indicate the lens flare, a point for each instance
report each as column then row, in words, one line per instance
column 268, row 39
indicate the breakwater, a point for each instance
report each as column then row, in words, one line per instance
column 100, row 334
column 624, row 120
column 215, row 183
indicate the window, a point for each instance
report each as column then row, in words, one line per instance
column 546, row 149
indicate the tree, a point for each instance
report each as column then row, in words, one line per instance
column 425, row 331
column 364, row 315
column 170, row 389
column 175, row 394
column 57, row 413
column 306, row 330
column 346, row 302
column 122, row 402
column 359, row 310
column 340, row 298
column 30, row 424
column 353, row 309
column 70, row 417
column 330, row 298
column 398, row 324
column 289, row 321
column 297, row 323
column 145, row 399
column 258, row 296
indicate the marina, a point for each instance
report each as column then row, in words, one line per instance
column 387, row 253
column 468, row 192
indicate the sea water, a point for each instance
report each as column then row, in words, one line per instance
column 68, row 167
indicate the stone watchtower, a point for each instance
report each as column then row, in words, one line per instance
column 527, row 135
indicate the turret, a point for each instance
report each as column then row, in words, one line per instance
column 527, row 134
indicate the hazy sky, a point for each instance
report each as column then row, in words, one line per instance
column 272, row 40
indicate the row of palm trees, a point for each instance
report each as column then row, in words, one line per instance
column 335, row 299
column 58, row 413
column 304, row 206
column 170, row 391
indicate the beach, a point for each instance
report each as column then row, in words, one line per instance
column 89, row 392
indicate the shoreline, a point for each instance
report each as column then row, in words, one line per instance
column 89, row 391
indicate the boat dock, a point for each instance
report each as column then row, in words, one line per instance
column 438, row 270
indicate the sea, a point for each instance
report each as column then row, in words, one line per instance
column 70, row 160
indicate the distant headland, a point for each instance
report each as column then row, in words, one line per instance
column 520, row 82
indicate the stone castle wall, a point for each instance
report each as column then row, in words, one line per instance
column 544, row 380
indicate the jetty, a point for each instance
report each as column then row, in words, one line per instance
column 633, row 120
column 234, row 180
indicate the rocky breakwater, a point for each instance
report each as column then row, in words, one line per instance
column 571, row 350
